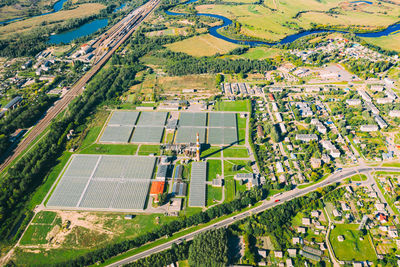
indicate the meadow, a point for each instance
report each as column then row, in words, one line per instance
column 276, row 19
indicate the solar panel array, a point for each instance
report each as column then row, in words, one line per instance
column 188, row 119
column 123, row 118
column 148, row 134
column 104, row 182
column 188, row 135
column 222, row 136
column 197, row 193
column 116, row 134
column 222, row 120
column 152, row 119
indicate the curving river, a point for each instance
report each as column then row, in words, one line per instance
column 392, row 29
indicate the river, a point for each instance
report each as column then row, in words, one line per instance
column 288, row 39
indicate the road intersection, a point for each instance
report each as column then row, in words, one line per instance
column 268, row 204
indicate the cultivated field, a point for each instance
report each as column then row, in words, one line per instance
column 202, row 45
column 27, row 25
column 284, row 17
column 391, row 42
column 21, row 8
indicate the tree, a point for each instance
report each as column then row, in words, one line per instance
column 219, row 78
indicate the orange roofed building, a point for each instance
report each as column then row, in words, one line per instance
column 157, row 187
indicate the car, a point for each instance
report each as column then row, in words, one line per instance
column 276, row 200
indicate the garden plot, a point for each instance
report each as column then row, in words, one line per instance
column 116, row 134
column 123, row 118
column 152, row 119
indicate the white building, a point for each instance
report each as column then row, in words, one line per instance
column 377, row 88
column 353, row 102
column 364, row 95
column 369, row 128
column 382, row 124
column 372, row 108
column 394, row 113
column 306, row 137
column 384, row 100
column 282, row 127
column 278, row 117
column 333, row 151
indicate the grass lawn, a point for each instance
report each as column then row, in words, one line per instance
column 390, row 42
column 260, row 53
column 184, row 263
column 243, row 168
column 129, row 149
column 213, row 151
column 214, row 168
column 230, row 188
column 358, row 178
column 36, row 234
column 202, row 45
column 352, row 248
column 213, row 193
column 145, row 150
column 236, row 152
column 393, row 164
column 238, row 105
column 46, row 217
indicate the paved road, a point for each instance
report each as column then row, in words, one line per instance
column 336, row 177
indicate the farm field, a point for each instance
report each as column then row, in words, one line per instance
column 27, row 25
column 278, row 19
column 175, row 84
column 391, row 42
column 352, row 248
column 202, row 45
column 259, row 53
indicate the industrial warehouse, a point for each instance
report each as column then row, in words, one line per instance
column 135, row 183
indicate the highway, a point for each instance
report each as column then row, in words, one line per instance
column 282, row 198
column 109, row 42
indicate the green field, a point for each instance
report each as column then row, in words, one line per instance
column 236, row 152
column 274, row 20
column 243, row 168
column 214, row 168
column 358, row 178
column 145, row 150
column 352, row 248
column 238, row 105
column 46, row 217
column 36, row 234
column 212, row 151
column 230, row 188
column 213, row 193
column 129, row 149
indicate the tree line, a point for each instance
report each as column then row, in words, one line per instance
column 23, row 117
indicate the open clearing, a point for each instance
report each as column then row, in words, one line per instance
column 202, row 45
column 352, row 248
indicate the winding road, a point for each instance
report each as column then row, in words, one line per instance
column 268, row 204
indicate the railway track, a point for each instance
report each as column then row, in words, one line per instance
column 78, row 87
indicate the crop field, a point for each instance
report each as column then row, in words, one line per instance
column 145, row 150
column 391, row 42
column 259, row 53
column 110, row 149
column 104, row 182
column 81, row 11
column 352, row 248
column 202, row 45
column 284, row 17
